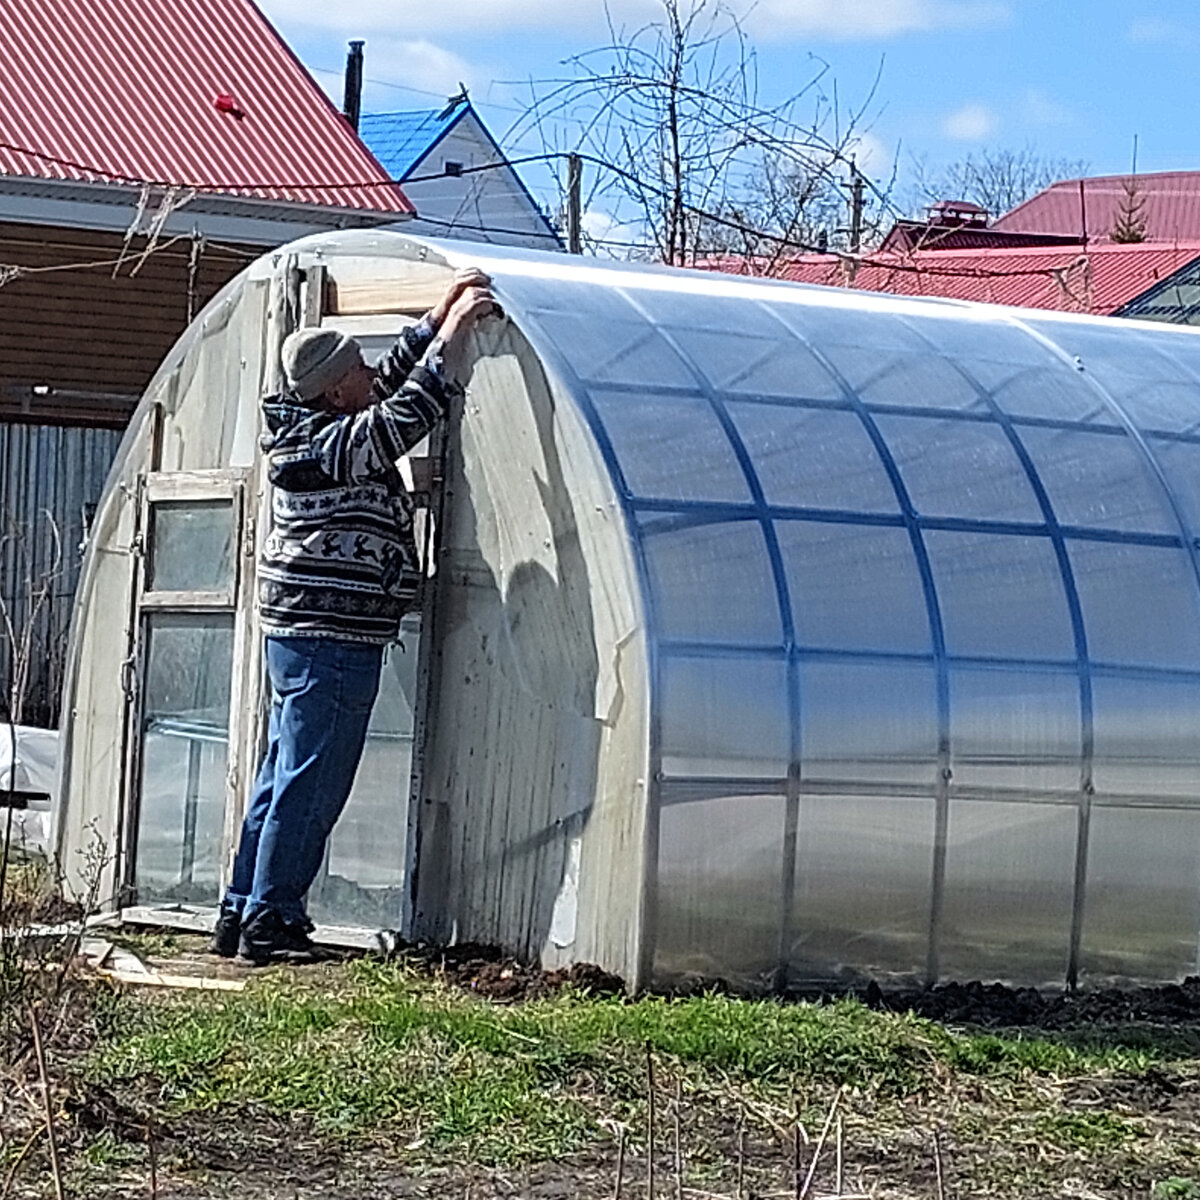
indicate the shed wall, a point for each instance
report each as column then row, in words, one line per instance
column 93, row 328
column 51, row 478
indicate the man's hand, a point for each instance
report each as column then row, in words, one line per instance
column 465, row 278
column 472, row 305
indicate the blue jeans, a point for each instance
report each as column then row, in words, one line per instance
column 322, row 692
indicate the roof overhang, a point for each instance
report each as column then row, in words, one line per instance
column 114, row 207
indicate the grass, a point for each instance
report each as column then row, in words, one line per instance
column 374, row 1053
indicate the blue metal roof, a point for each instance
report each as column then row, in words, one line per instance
column 400, row 140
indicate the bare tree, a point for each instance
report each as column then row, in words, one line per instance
column 680, row 149
column 997, row 179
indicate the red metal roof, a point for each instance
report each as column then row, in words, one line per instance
column 1171, row 209
column 1067, row 279
column 906, row 236
column 196, row 92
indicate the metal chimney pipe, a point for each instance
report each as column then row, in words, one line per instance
column 352, row 104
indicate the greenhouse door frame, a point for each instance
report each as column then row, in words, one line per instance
column 199, row 488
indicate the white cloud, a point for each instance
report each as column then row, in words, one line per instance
column 385, row 18
column 600, row 225
column 420, row 65
column 970, row 123
column 846, row 20
column 871, row 154
column 1037, row 108
column 1156, row 31
column 836, row 19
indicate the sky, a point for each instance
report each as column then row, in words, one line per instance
column 1075, row 79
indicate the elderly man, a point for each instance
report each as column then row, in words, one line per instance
column 337, row 573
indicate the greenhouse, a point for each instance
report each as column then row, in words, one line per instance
column 771, row 634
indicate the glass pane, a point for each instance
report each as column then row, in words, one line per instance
column 1139, row 603
column 1010, row 872
column 712, row 583
column 724, row 718
column 184, row 732
column 1015, row 731
column 814, row 458
column 1180, row 463
column 863, row 871
column 1142, row 911
column 193, row 546
column 854, row 587
column 868, row 722
column 362, row 880
column 1002, row 596
column 672, row 448
column 1147, row 737
column 720, row 872
column 1098, row 481
column 960, row 469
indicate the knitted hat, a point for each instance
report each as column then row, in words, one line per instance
column 316, row 359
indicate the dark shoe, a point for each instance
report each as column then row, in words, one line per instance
column 268, row 938
column 226, row 933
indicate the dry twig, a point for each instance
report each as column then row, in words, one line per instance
column 678, row 1139
column 841, row 1155
column 649, row 1122
column 741, row 1151
column 812, row 1166
column 16, row 1163
column 52, row 1141
column 937, row 1165
column 620, row 1163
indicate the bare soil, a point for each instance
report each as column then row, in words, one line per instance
column 254, row 1154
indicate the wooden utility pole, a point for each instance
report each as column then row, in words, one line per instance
column 574, row 203
column 856, row 208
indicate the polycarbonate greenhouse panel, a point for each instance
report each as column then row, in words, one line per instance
column 1007, row 906
column 862, row 889
column 942, row 565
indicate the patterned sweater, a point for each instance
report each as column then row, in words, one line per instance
column 340, row 560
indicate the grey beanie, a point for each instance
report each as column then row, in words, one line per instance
column 316, row 359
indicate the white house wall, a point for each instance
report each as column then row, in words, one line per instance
column 486, row 206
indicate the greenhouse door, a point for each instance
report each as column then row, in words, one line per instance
column 186, row 653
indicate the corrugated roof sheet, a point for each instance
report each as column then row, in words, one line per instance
column 1098, row 281
column 1171, row 209
column 401, row 139
column 926, row 235
column 100, row 90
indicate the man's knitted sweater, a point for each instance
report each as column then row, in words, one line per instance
column 340, row 560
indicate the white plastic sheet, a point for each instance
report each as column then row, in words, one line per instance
column 36, row 773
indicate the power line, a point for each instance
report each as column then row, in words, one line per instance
column 644, row 186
